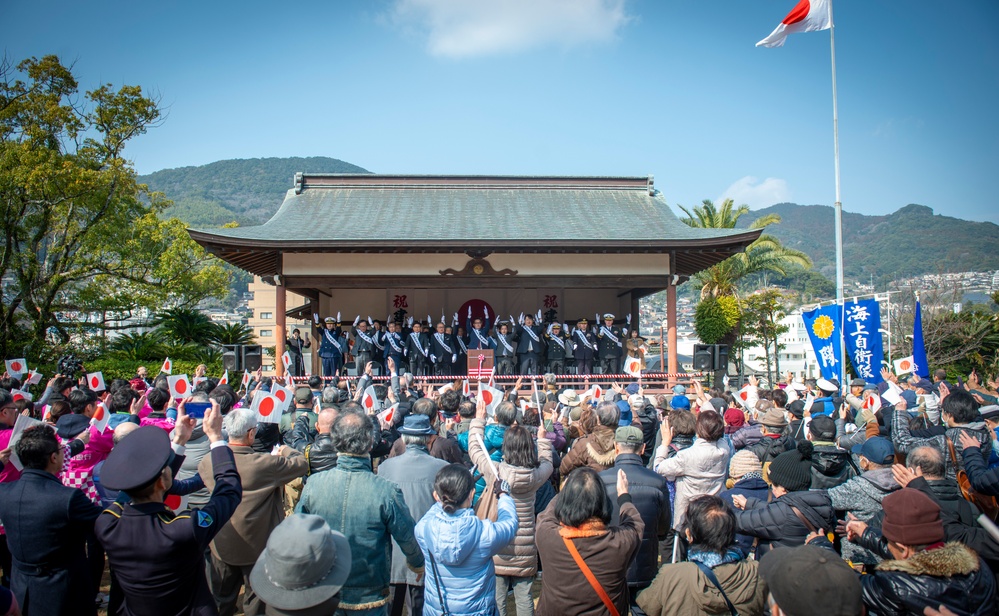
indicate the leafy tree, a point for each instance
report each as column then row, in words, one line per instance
column 762, row 313
column 765, row 254
column 715, row 318
column 79, row 234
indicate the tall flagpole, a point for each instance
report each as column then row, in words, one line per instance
column 838, row 207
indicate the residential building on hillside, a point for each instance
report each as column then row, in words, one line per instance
column 263, row 320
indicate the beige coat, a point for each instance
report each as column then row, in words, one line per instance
column 520, row 557
column 263, row 475
column 698, row 469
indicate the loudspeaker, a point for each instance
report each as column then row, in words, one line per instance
column 232, row 358
column 704, row 357
column 251, row 355
column 721, row 357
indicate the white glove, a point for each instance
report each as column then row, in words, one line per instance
column 370, row 322
column 357, row 320
column 456, row 318
column 539, row 315
column 338, row 316
column 485, row 310
column 521, row 320
column 469, row 312
column 410, row 321
column 454, row 357
column 433, row 358
column 624, row 332
column 430, row 321
column 629, row 319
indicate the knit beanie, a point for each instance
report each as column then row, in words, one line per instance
column 743, row 462
column 911, row 518
column 792, row 470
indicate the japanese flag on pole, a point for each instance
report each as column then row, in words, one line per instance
column 180, row 387
column 34, row 378
column 904, row 365
column 492, row 397
column 167, row 367
column 225, row 378
column 283, row 394
column 806, row 16
column 246, row 380
column 267, row 407
column 369, row 401
column 95, row 381
column 19, row 394
column 388, row 415
column 16, row 367
column 748, row 396
column 633, row 366
column 465, row 389
column 101, row 418
column 595, row 393
column 286, row 360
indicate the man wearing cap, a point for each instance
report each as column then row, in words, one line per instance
column 831, row 465
column 413, row 472
column 855, row 397
column 331, row 347
column 649, row 494
column 775, row 440
column 158, row 557
column 584, row 347
column 610, row 338
column 825, row 404
column 557, row 346
column 926, row 571
column 305, row 406
column 238, row 544
column 811, row 581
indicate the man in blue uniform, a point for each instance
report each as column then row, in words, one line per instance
column 159, row 557
column 395, row 347
column 584, row 347
column 611, row 340
column 331, row 347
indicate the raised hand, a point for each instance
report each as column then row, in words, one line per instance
column 622, row 482
column 212, row 423
column 904, row 475
column 967, row 440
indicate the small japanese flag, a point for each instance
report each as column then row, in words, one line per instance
column 872, row 403
column 492, row 397
column 893, row 394
column 198, row 380
column 167, row 366
column 267, row 407
column 595, row 393
column 286, row 360
column 225, row 378
column 34, row 377
column 748, row 396
column 180, row 387
column 95, row 381
column 388, row 415
column 246, row 380
column 16, row 367
column 101, row 418
column 19, row 394
column 369, row 401
column 904, row 365
column 465, row 389
column 283, row 394
column 443, row 388
column 633, row 366
column 175, row 503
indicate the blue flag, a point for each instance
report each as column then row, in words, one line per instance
column 823, row 325
column 863, row 338
column 921, row 367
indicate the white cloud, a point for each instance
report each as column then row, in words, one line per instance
column 756, row 194
column 464, row 28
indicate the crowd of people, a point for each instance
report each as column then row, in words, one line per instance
column 526, row 345
column 804, row 498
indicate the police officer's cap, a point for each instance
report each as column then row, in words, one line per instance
column 137, row 460
column 608, row 316
column 329, row 320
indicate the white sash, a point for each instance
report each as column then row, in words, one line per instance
column 530, row 332
column 392, row 337
column 440, row 340
column 558, row 340
column 483, row 342
column 380, row 347
column 586, row 341
column 506, row 344
column 416, row 339
column 461, row 343
column 332, row 338
column 364, row 336
column 609, row 334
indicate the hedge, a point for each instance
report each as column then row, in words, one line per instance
column 125, row 369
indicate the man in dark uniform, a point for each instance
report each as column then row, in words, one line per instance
column 506, row 350
column 417, row 350
column 331, row 347
column 611, row 345
column 442, row 351
column 557, row 345
column 364, row 344
column 529, row 345
column 47, row 527
column 584, row 347
column 478, row 332
column 378, row 337
column 295, row 344
column 461, row 361
column 395, row 346
column 159, row 557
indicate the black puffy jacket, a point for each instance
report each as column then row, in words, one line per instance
column 650, row 495
column 777, row 523
column 831, row 467
column 769, row 447
column 952, row 575
column 649, row 418
column 321, row 454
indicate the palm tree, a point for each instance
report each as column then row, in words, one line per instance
column 185, row 325
column 232, row 333
column 765, row 254
column 138, row 347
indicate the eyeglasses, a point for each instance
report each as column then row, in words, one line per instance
column 8, row 408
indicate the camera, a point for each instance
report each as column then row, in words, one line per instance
column 69, row 365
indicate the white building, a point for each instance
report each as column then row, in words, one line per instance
column 796, row 356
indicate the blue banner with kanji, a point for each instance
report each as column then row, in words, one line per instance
column 861, row 327
column 823, row 325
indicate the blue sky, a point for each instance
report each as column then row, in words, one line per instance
column 674, row 88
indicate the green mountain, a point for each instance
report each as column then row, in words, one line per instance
column 912, row 241
column 246, row 191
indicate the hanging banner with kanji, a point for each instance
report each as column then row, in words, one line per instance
column 823, row 325
column 863, row 338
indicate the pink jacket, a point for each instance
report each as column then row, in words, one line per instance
column 9, row 472
column 96, row 451
column 159, row 422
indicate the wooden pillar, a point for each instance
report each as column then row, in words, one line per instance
column 280, row 327
column 673, row 365
column 315, row 366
